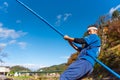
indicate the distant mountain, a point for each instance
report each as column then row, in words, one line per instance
column 59, row 68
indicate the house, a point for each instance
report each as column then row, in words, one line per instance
column 4, row 70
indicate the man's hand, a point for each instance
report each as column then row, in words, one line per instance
column 66, row 37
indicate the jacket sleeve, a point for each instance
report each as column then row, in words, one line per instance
column 80, row 41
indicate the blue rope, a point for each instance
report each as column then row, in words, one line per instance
column 51, row 26
column 107, row 68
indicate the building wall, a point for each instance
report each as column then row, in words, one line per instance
column 4, row 69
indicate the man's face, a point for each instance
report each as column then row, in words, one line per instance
column 92, row 31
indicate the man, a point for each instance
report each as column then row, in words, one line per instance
column 84, row 63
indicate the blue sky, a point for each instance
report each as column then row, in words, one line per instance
column 29, row 42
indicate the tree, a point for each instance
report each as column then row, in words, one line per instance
column 2, row 55
column 110, row 54
column 115, row 15
column 72, row 58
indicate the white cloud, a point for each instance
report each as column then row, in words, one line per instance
column 10, row 33
column 22, row 44
column 4, row 7
column 113, row 9
column 27, row 65
column 58, row 20
column 66, row 15
column 2, row 46
column 10, row 37
column 1, row 24
column 18, row 21
column 33, row 66
column 61, row 18
column 12, row 42
column 64, row 57
column 5, row 4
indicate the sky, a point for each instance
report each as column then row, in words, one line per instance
column 29, row 42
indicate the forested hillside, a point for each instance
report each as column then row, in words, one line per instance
column 110, row 49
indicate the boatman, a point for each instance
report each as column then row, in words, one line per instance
column 84, row 63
